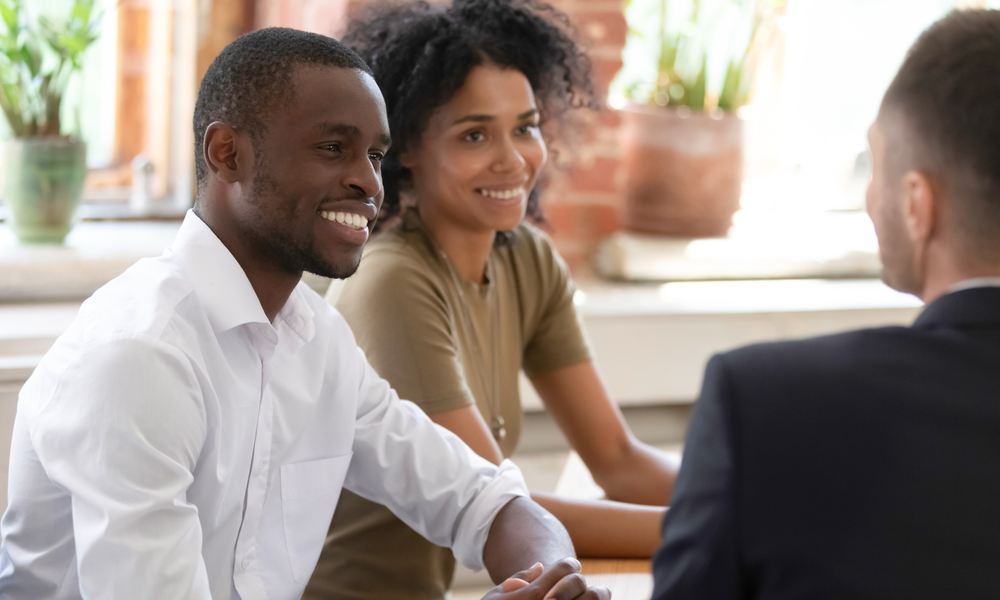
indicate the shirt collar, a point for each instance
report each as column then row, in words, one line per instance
column 413, row 222
column 297, row 314
column 976, row 282
column 222, row 286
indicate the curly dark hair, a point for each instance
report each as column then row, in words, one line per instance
column 421, row 54
column 253, row 75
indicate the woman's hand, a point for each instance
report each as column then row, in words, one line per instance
column 561, row 581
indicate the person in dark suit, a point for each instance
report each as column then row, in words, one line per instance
column 867, row 464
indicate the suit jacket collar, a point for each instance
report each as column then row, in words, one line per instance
column 974, row 307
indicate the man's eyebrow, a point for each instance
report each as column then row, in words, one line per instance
column 338, row 129
column 488, row 118
column 349, row 131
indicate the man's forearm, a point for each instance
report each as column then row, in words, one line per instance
column 522, row 534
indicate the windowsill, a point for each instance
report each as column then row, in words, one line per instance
column 120, row 211
column 95, row 252
column 651, row 340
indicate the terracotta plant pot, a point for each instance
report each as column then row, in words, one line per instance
column 43, row 182
column 683, row 174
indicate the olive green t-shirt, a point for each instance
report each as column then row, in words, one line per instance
column 410, row 317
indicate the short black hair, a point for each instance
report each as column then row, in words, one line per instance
column 946, row 97
column 421, row 54
column 253, row 75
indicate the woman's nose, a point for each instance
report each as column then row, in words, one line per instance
column 508, row 157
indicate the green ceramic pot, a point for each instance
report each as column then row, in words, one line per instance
column 43, row 181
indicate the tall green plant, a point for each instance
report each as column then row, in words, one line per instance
column 683, row 55
column 37, row 61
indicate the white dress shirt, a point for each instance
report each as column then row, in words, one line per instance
column 173, row 443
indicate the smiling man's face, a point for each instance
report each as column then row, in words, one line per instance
column 317, row 183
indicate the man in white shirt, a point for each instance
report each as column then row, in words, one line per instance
column 189, row 435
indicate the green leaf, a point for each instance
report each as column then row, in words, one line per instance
column 81, row 12
column 30, row 59
column 730, row 87
column 696, row 94
column 9, row 10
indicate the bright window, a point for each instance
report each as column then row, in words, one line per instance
column 134, row 95
column 818, row 89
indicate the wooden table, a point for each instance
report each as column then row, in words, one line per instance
column 627, row 578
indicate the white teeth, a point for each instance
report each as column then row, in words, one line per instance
column 504, row 194
column 349, row 219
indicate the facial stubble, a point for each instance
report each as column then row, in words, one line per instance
column 294, row 249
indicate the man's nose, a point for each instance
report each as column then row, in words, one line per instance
column 362, row 177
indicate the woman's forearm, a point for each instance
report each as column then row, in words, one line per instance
column 606, row 528
column 642, row 475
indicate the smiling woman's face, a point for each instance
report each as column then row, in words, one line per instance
column 480, row 155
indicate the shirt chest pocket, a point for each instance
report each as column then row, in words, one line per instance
column 309, row 494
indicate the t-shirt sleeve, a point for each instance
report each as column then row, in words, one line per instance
column 557, row 339
column 401, row 319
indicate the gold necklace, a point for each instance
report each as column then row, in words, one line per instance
column 497, row 423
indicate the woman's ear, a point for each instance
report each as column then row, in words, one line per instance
column 228, row 154
column 407, row 158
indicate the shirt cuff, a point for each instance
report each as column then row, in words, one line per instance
column 474, row 526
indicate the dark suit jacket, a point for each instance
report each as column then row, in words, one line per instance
column 859, row 465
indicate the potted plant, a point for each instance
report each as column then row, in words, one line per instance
column 681, row 139
column 43, row 167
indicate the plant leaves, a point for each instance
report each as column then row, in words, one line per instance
column 9, row 10
column 33, row 85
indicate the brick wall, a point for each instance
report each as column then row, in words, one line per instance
column 583, row 197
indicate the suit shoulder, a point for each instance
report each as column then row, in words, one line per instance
column 812, row 355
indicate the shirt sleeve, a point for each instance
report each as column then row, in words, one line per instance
column 425, row 474
column 122, row 434
column 699, row 556
column 401, row 318
column 557, row 337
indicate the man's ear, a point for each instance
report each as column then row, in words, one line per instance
column 227, row 154
column 920, row 207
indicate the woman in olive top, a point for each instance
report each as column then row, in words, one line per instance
column 462, row 292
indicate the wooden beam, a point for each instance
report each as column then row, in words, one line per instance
column 133, row 49
column 226, row 21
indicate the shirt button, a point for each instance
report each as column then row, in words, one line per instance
column 245, row 563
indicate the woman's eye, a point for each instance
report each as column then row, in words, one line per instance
column 377, row 157
column 527, row 129
column 474, row 136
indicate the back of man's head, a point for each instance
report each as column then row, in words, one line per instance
column 942, row 118
column 253, row 75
